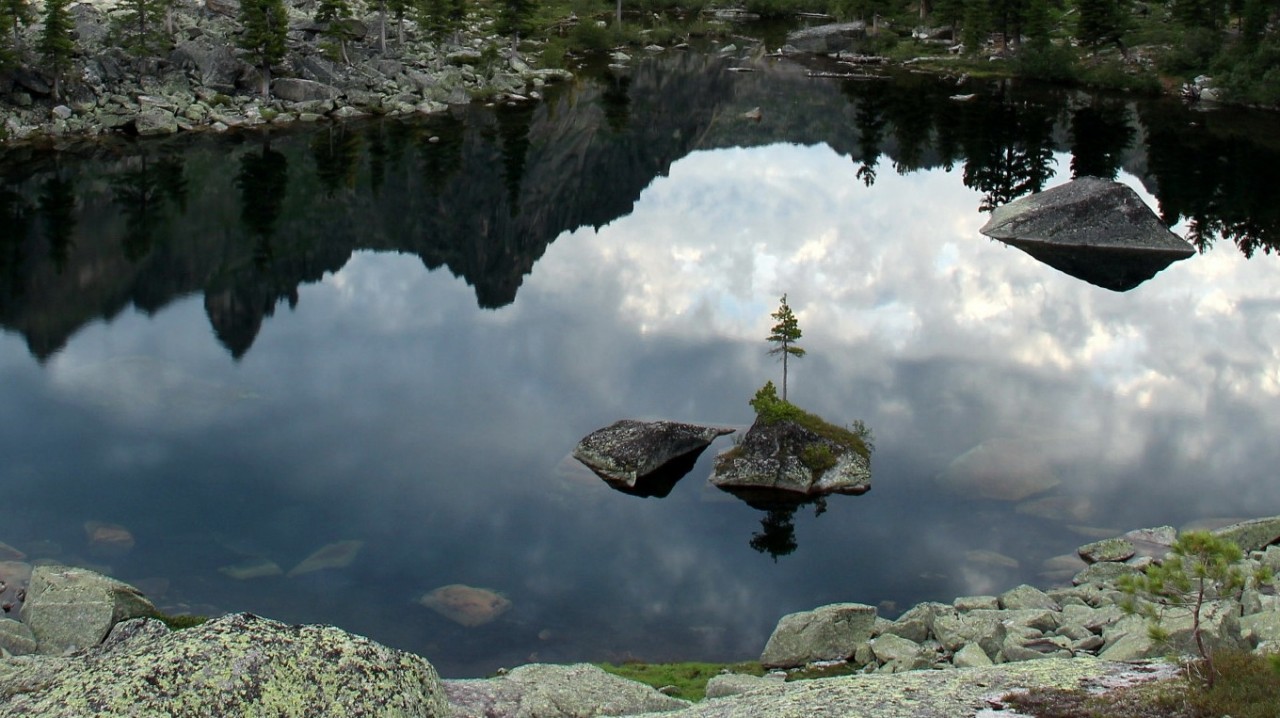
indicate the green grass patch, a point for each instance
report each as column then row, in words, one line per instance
column 689, row 679
column 770, row 410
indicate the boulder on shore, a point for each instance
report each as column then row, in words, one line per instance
column 645, row 458
column 547, row 691
column 237, row 665
column 1093, row 229
column 827, row 633
column 74, row 608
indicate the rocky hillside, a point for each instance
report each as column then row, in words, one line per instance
column 205, row 81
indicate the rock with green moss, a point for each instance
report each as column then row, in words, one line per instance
column 1255, row 535
column 237, row 665
column 548, row 691
column 70, row 608
column 1113, row 549
column 785, row 459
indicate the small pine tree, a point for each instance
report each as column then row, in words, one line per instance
column 784, row 334
column 55, row 44
column 331, row 14
column 516, row 17
column 1202, row 568
column 265, row 24
column 147, row 24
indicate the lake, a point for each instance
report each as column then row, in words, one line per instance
column 222, row 354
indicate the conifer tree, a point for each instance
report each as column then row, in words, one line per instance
column 265, row 24
column 516, row 17
column 784, row 335
column 13, row 15
column 331, row 14
column 55, row 43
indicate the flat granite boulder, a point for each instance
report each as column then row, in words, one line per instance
column 1255, row 535
column 237, row 665
column 827, row 633
column 70, row 608
column 1093, row 229
column 549, row 691
column 960, row 693
column 645, row 457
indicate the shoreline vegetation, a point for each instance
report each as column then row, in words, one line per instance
column 1178, row 625
column 151, row 67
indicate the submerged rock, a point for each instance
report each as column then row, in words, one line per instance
column 237, row 665
column 645, row 458
column 1093, row 229
column 466, row 605
column 335, row 555
column 546, row 691
column 1000, row 469
column 108, row 539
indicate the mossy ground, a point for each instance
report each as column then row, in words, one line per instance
column 688, row 679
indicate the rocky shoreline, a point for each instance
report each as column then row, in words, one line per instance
column 89, row 642
column 206, row 83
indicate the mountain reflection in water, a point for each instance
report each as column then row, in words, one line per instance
column 647, row 230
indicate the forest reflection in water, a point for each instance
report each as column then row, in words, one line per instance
column 648, row 230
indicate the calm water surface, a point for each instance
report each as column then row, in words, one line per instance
column 246, row 348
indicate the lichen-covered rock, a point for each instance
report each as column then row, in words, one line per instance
column 237, row 665
column 155, row 121
column 985, row 628
column 547, row 691
column 1255, row 535
column 74, row 608
column 1105, row 573
column 919, row 694
column 971, row 655
column 827, row 633
column 916, row 624
column 897, row 654
column 16, row 638
column 626, row 452
column 1114, row 549
column 1027, row 597
column 732, row 684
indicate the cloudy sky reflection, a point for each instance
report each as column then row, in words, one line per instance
column 388, row 408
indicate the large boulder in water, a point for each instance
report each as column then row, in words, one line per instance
column 828, row 39
column 645, row 458
column 784, row 461
column 1093, row 229
column 237, row 665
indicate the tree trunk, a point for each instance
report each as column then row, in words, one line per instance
column 382, row 27
column 618, row 15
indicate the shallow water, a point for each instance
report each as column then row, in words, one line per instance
column 243, row 350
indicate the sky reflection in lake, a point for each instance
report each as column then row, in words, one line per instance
column 389, row 409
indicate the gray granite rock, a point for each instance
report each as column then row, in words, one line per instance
column 547, row 691
column 773, row 461
column 237, row 665
column 732, row 684
column 1255, row 535
column 16, row 637
column 917, row 694
column 832, row 632
column 627, row 451
column 971, row 655
column 828, row 39
column 1027, row 597
column 74, row 608
column 1114, row 549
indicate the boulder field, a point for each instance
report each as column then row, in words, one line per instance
column 86, row 645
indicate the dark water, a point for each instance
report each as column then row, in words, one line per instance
column 249, row 347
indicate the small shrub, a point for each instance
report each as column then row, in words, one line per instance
column 818, row 458
column 588, row 36
column 1050, row 63
column 1192, row 54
